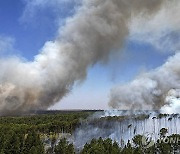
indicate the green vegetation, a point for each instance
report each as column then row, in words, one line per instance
column 25, row 134
column 101, row 146
column 122, row 118
column 44, row 123
column 16, row 142
column 162, row 115
column 114, row 118
column 42, row 134
column 64, row 147
column 137, row 146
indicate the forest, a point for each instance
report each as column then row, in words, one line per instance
column 48, row 134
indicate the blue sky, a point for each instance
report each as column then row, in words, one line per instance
column 24, row 30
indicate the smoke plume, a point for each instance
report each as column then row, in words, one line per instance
column 172, row 102
column 97, row 28
column 149, row 90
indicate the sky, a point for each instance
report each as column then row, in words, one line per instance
column 25, row 26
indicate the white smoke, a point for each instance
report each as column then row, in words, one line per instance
column 97, row 28
column 124, row 126
column 162, row 31
column 173, row 102
column 149, row 90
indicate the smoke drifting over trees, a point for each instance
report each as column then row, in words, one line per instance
column 96, row 29
column 149, row 90
column 152, row 90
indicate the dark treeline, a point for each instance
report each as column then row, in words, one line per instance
column 22, row 134
column 26, row 135
column 16, row 142
column 164, row 145
column 19, row 143
column 45, row 123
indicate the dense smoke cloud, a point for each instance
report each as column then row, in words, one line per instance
column 151, row 90
column 97, row 28
column 172, row 102
column 162, row 31
column 148, row 90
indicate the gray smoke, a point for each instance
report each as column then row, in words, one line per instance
column 151, row 90
column 172, row 102
column 148, row 90
column 97, row 28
